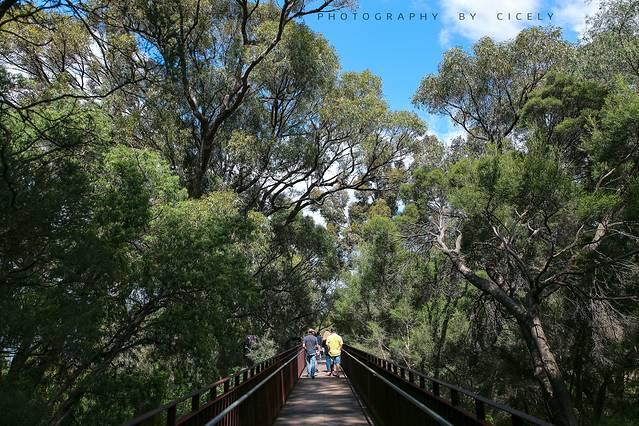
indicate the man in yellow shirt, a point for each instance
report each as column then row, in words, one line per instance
column 334, row 343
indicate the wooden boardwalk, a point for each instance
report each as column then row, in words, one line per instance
column 325, row 400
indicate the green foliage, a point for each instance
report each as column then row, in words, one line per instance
column 484, row 91
column 611, row 48
column 264, row 349
column 157, row 159
column 535, row 208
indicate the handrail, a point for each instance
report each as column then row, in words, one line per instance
column 150, row 414
column 400, row 371
column 237, row 379
column 231, row 407
column 440, row 420
column 485, row 400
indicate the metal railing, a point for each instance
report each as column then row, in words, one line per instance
column 370, row 376
column 253, row 396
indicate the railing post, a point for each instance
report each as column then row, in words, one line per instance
column 517, row 421
column 171, row 415
column 237, row 380
column 422, row 382
column 245, row 376
column 212, row 393
column 402, row 372
column 411, row 377
column 195, row 402
column 480, row 411
column 436, row 388
column 226, row 385
column 454, row 397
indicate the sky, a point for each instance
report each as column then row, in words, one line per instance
column 402, row 52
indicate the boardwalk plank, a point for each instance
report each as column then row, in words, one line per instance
column 321, row 401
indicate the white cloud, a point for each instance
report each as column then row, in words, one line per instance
column 452, row 133
column 572, row 14
column 444, row 128
column 485, row 22
column 444, row 37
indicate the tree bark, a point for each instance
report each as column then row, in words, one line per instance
column 547, row 371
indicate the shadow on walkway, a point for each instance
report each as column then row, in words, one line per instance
column 325, row 400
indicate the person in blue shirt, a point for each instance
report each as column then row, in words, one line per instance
column 311, row 347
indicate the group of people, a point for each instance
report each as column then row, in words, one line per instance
column 330, row 343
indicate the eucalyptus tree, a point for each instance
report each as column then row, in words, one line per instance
column 611, row 43
column 537, row 224
column 484, row 92
column 52, row 51
column 116, row 291
column 253, row 102
column 209, row 52
column 347, row 140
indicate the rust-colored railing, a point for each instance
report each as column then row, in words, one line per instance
column 253, row 396
column 396, row 394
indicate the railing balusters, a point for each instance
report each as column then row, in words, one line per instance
column 195, row 402
column 171, row 415
column 455, row 393
column 212, row 393
column 454, row 397
column 480, row 410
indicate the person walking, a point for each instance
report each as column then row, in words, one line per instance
column 310, row 346
column 335, row 343
column 327, row 357
column 320, row 345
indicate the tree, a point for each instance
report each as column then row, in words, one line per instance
column 610, row 46
column 114, row 285
column 208, row 53
column 484, row 92
column 506, row 221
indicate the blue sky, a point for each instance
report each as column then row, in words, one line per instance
column 402, row 52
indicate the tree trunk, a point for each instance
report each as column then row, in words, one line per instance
column 443, row 333
column 527, row 316
column 547, row 372
column 601, row 399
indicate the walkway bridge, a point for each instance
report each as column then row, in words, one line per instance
column 374, row 392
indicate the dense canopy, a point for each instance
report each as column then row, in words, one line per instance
column 162, row 164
